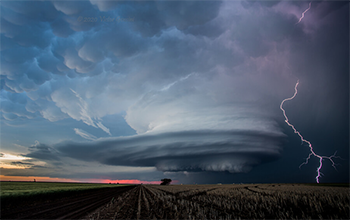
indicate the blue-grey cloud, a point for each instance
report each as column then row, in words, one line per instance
column 202, row 150
column 42, row 152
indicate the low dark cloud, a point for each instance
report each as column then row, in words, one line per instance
column 42, row 152
column 21, row 164
column 233, row 151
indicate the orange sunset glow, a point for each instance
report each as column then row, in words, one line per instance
column 49, row 179
column 37, row 178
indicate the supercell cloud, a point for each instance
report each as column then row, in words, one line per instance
column 169, row 86
column 202, row 150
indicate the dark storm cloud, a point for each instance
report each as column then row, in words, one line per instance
column 150, row 18
column 322, row 67
column 176, row 67
column 42, row 152
column 205, row 150
column 21, row 164
column 324, row 8
column 250, row 3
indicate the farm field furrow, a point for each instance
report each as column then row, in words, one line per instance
column 68, row 207
column 248, row 201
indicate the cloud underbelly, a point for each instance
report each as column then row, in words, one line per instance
column 202, row 150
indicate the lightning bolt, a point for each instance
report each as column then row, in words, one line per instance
column 312, row 153
column 302, row 15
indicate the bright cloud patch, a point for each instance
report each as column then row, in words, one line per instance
column 11, row 161
column 84, row 134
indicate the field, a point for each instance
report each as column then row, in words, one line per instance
column 29, row 200
column 241, row 201
column 250, row 201
column 14, row 189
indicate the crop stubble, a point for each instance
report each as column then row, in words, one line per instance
column 250, row 201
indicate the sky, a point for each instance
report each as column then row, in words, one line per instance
column 138, row 91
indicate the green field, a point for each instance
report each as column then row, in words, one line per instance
column 20, row 189
column 17, row 192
